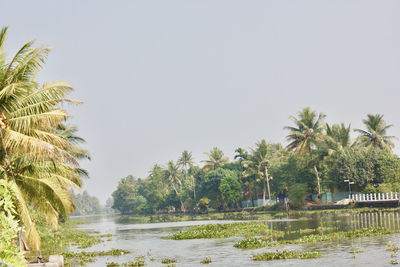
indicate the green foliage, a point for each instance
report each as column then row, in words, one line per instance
column 127, row 198
column 297, row 194
column 42, row 152
column 203, row 204
column 56, row 242
column 366, row 167
column 357, row 165
column 319, row 157
column 210, row 186
column 375, row 136
column 82, row 258
column 285, row 254
column 230, row 189
column 9, row 251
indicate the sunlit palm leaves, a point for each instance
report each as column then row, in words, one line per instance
column 42, row 152
column 215, row 159
column 339, row 136
column 307, row 132
column 375, row 134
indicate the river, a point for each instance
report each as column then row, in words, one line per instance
column 145, row 239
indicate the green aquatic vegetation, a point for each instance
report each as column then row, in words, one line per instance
column 168, row 260
column 137, row 262
column 259, row 242
column 225, row 230
column 112, row 252
column 84, row 257
column 206, row 260
column 57, row 242
column 285, row 254
column 394, row 249
column 356, row 251
column 394, row 262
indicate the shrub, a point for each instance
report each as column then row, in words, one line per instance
column 9, row 252
column 297, row 194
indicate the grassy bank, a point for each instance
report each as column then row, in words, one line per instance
column 57, row 243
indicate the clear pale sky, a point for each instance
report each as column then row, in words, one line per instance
column 159, row 77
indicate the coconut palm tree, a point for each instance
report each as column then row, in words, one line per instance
column 215, row 159
column 306, row 135
column 33, row 154
column 257, row 164
column 338, row 136
column 186, row 161
column 173, row 176
column 307, row 132
column 375, row 134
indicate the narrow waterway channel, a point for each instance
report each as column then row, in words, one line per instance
column 145, row 239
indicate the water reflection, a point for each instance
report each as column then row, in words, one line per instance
column 145, row 238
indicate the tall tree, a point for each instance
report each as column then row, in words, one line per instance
column 257, row 164
column 173, row 176
column 375, row 135
column 215, row 159
column 185, row 162
column 34, row 155
column 307, row 133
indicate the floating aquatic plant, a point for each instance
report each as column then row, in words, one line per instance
column 285, row 254
column 206, row 260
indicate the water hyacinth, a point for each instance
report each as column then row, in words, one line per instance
column 225, row 230
column 285, row 254
column 259, row 242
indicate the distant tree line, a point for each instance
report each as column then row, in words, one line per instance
column 317, row 159
column 86, row 204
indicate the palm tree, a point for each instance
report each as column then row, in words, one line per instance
column 338, row 136
column 173, row 176
column 257, row 165
column 186, row 161
column 307, row 132
column 306, row 135
column 215, row 160
column 37, row 158
column 375, row 134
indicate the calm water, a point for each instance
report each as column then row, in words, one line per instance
column 144, row 239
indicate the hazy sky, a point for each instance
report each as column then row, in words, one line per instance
column 159, row 77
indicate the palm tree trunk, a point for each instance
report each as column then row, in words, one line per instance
column 267, row 178
column 319, row 185
column 264, row 191
column 194, row 189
